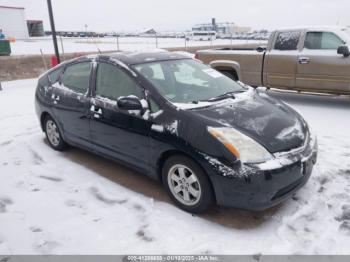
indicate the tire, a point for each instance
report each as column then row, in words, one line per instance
column 187, row 184
column 229, row 74
column 53, row 134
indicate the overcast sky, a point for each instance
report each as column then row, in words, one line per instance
column 130, row 15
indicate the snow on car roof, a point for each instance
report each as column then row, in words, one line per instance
column 132, row 58
column 318, row 28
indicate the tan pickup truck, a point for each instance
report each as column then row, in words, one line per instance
column 308, row 59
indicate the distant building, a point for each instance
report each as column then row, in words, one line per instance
column 35, row 28
column 242, row 29
column 13, row 22
column 150, row 32
column 225, row 28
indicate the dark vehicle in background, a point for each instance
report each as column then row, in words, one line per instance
column 304, row 59
column 207, row 138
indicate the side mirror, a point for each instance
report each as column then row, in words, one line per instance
column 343, row 50
column 129, row 103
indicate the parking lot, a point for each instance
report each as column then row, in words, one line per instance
column 93, row 205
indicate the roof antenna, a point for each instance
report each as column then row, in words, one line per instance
column 98, row 49
column 94, row 42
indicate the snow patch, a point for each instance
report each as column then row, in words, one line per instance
column 172, row 128
column 291, row 132
column 157, row 114
column 157, row 128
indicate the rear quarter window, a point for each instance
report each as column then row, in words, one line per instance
column 287, row 40
column 54, row 76
column 77, row 77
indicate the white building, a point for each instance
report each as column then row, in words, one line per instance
column 13, row 22
column 222, row 29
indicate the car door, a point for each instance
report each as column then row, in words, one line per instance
column 117, row 133
column 71, row 101
column 281, row 60
column 320, row 68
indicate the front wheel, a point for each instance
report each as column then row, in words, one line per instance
column 187, row 184
column 53, row 134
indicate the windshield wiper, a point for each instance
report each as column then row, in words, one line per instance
column 230, row 94
column 222, row 97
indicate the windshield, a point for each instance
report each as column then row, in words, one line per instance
column 187, row 80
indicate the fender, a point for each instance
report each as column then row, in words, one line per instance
column 227, row 64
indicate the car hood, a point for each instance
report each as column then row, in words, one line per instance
column 270, row 122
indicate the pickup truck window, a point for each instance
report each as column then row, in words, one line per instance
column 322, row 40
column 287, row 40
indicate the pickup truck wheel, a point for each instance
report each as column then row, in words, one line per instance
column 230, row 74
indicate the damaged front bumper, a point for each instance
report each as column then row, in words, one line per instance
column 260, row 186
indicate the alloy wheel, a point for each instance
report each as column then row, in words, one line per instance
column 52, row 133
column 184, row 185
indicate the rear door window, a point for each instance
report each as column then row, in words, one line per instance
column 322, row 40
column 287, row 40
column 76, row 77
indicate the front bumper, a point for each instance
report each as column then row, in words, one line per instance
column 258, row 187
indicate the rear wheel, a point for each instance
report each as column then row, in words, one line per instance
column 53, row 134
column 187, row 185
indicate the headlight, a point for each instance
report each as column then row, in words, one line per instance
column 243, row 147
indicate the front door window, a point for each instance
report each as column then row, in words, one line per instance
column 113, row 83
column 322, row 40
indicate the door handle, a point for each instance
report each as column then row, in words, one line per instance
column 97, row 112
column 304, row 60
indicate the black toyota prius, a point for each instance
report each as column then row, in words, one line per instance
column 208, row 139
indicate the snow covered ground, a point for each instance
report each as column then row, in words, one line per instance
column 73, row 45
column 78, row 203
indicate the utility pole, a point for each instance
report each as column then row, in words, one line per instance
column 53, row 30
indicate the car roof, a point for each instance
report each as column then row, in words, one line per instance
column 311, row 28
column 133, row 58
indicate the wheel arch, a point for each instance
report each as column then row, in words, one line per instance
column 173, row 152
column 43, row 116
column 226, row 65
